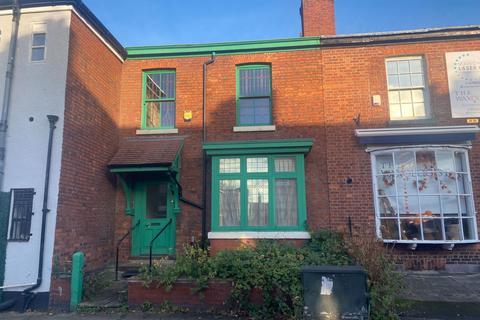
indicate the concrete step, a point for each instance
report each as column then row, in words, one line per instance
column 111, row 297
column 133, row 266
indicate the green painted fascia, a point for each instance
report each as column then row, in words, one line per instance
column 139, row 169
column 258, row 147
column 225, row 48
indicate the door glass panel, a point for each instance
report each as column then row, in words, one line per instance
column 156, row 201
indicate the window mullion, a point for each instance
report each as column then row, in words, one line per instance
column 396, row 197
column 420, row 209
column 271, row 193
column 243, row 193
column 460, row 220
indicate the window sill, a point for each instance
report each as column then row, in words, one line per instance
column 157, row 131
column 259, row 235
column 254, row 128
column 438, row 242
column 412, row 122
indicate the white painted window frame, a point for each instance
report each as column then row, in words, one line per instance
column 38, row 28
column 425, row 87
column 383, row 150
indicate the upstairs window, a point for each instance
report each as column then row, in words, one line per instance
column 158, row 106
column 407, row 89
column 424, row 195
column 39, row 43
column 21, row 214
column 254, row 95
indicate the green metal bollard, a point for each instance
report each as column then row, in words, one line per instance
column 76, row 287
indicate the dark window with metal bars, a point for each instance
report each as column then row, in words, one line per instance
column 21, row 214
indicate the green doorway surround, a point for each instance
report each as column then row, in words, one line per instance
column 151, row 193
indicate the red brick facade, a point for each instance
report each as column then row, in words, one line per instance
column 297, row 113
column 351, row 77
column 86, row 203
column 316, row 94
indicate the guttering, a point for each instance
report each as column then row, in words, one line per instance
column 29, row 295
column 8, row 87
column 401, row 37
column 417, row 135
column 225, row 48
column 204, row 154
column 415, row 131
column 305, row 43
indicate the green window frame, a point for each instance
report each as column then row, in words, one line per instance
column 254, row 97
column 159, row 112
column 239, row 173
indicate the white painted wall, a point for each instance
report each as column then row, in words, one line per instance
column 38, row 90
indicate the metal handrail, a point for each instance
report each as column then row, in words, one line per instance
column 118, row 247
column 153, row 240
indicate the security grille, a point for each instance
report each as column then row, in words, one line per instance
column 21, row 214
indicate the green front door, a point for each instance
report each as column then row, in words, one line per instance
column 154, row 210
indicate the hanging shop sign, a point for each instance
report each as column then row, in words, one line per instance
column 464, row 83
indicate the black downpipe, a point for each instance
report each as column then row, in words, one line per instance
column 173, row 177
column 204, row 155
column 28, row 294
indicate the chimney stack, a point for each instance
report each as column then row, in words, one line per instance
column 318, row 18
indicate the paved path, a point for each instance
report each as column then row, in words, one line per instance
column 442, row 287
column 112, row 316
column 141, row 316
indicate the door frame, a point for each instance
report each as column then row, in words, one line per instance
column 139, row 197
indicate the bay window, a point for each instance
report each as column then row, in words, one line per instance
column 424, row 195
column 258, row 192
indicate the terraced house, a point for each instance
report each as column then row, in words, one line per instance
column 366, row 134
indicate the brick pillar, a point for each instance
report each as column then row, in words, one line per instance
column 318, row 17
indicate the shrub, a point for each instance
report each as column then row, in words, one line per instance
column 384, row 283
column 274, row 268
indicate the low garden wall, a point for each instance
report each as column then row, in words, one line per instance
column 184, row 293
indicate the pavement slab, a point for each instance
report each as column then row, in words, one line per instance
column 112, row 316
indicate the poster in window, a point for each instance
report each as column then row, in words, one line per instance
column 464, row 83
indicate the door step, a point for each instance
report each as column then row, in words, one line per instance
column 134, row 265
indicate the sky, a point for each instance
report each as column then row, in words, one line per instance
column 161, row 22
